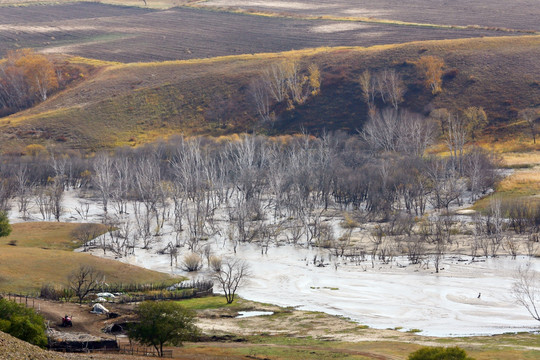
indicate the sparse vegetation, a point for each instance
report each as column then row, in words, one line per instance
column 431, row 69
column 439, row 353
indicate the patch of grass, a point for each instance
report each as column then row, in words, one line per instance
column 521, row 183
column 46, row 235
column 211, row 302
column 521, row 159
column 412, row 331
column 26, row 269
column 92, row 62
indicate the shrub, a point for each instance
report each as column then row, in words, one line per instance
column 430, row 68
column 22, row 323
column 50, row 292
column 175, row 324
column 348, row 222
column 192, row 262
column 215, row 263
column 439, row 353
column 5, row 227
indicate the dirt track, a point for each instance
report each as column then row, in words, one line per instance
column 83, row 321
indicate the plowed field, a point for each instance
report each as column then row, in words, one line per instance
column 515, row 14
column 130, row 34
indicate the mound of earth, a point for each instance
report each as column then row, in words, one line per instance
column 13, row 348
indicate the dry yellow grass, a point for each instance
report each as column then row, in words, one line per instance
column 93, row 62
column 521, row 159
column 42, row 255
column 46, row 235
column 24, row 269
column 522, row 182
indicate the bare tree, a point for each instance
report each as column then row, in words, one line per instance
column 232, row 274
column 377, row 237
column 390, row 87
column 512, row 246
column 446, row 184
column 84, row 280
column 381, row 131
column 275, row 78
column 532, row 244
column 23, row 189
column 526, row 290
column 456, row 138
column 43, row 203
column 261, row 99
column 122, row 170
column 85, row 233
column 415, row 133
column 56, row 187
column 143, row 224
column 441, row 116
column 6, row 191
column 104, row 177
column 531, row 115
column 494, row 225
column 440, row 237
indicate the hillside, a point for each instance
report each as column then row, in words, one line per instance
column 39, row 253
column 136, row 103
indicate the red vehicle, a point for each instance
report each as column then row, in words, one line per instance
column 66, row 321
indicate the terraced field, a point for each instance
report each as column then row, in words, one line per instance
column 131, row 34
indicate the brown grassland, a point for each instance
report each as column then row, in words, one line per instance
column 136, row 103
column 42, row 254
column 45, row 235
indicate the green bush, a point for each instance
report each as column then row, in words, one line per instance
column 162, row 322
column 22, row 323
column 5, row 227
column 439, row 353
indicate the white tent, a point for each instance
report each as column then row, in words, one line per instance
column 99, row 309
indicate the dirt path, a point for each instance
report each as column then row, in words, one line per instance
column 84, row 322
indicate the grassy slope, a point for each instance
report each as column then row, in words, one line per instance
column 136, row 103
column 45, row 235
column 32, row 263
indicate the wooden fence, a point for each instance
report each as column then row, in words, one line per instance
column 143, row 351
column 27, row 300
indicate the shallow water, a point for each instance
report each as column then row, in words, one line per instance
column 246, row 314
column 444, row 304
